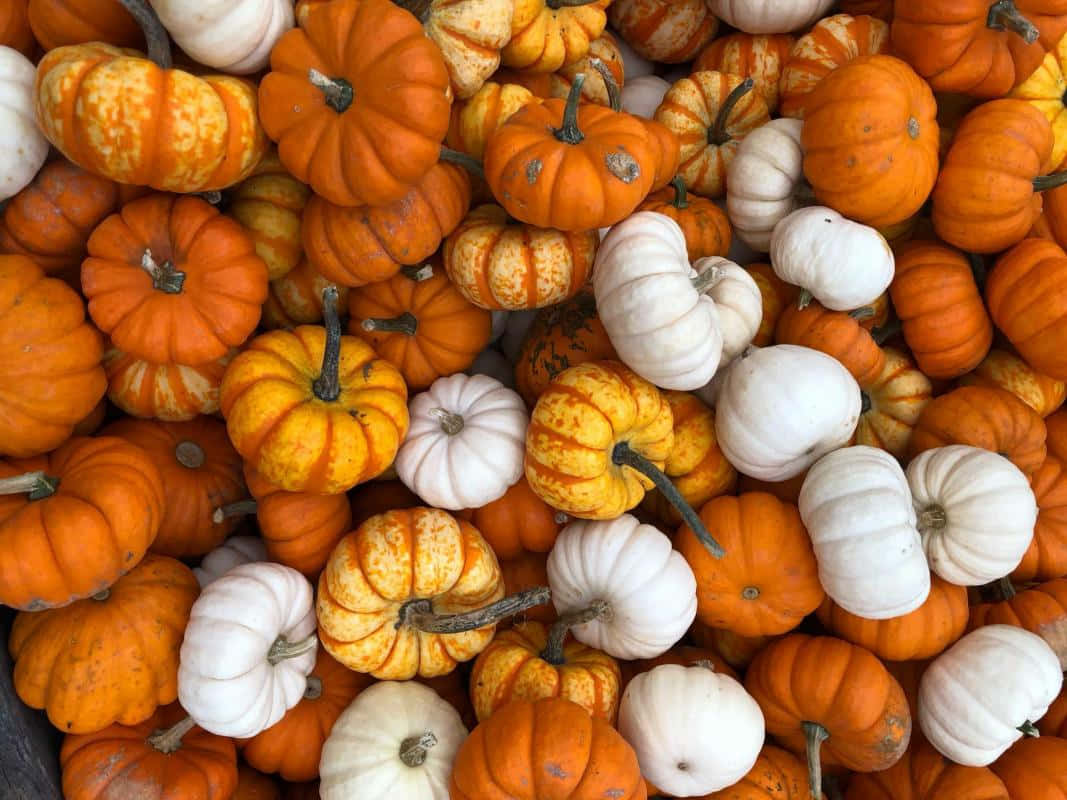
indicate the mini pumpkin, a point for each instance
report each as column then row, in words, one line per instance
column 296, row 298
column 1044, row 89
column 548, row 34
column 1041, row 609
column 477, row 118
column 171, row 392
column 892, row 404
column 775, row 295
column 56, row 23
column 664, row 31
column 705, row 226
column 1046, row 557
column 769, row 16
column 835, row 333
column 1035, row 765
column 518, row 522
column 1003, row 369
column 25, row 148
column 15, row 31
column 758, row 55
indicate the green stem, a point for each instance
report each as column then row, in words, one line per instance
column 283, row 649
column 154, row 32
column 707, row 278
column 1003, row 15
column 169, row 740
column 327, row 386
column 681, row 196
column 568, row 132
column 469, row 163
column 614, row 93
column 165, row 278
column 451, row 423
column 1029, row 729
column 420, row 615
column 866, row 312
column 814, row 735
column 36, row 485
column 557, row 634
column 406, row 324
column 1043, row 183
column 338, row 91
column 804, row 299
column 1005, row 588
column 717, row 135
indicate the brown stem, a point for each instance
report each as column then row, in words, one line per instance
column 415, row 749
column 451, row 423
column 568, row 132
column 1043, row 183
column 814, row 735
column 553, row 652
column 189, row 454
column 932, row 518
column 886, row 332
column 407, row 324
column 239, row 508
column 717, row 134
column 154, row 32
column 283, row 649
column 681, row 196
column 36, row 485
column 418, row 272
column 1003, row 15
column 861, row 313
column 314, row 688
column 804, row 299
column 1029, row 729
column 420, row 615
column 614, row 93
column 1005, row 588
column 327, row 387
column 338, row 91
column 164, row 277
column 169, row 740
column 469, row 163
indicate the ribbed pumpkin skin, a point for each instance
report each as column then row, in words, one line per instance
column 760, row 56
column 56, row 23
column 1034, row 768
column 1046, row 558
column 777, row 775
column 897, row 398
column 1001, row 368
column 518, row 522
column 668, row 31
column 1041, row 610
column 170, row 392
column 15, row 29
column 835, row 333
column 1054, row 723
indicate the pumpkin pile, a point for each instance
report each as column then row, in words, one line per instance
column 537, row 399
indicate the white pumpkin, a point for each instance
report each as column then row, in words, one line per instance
column 857, row 508
column 769, row 16
column 738, row 300
column 633, row 65
column 248, row 649
column 779, row 409
column 643, row 590
column 976, row 512
column 235, row 550
column 234, row 36
column 466, row 443
column 842, row 264
column 694, row 731
column 762, row 181
column 491, row 362
column 642, row 96
column 653, row 305
column 396, row 741
column 975, row 697
column 23, row 148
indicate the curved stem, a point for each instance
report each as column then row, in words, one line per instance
column 36, row 484
column 614, row 93
column 314, row 688
column 707, row 279
column 154, row 32
column 717, row 134
column 407, row 324
column 804, row 299
column 451, row 423
column 164, row 277
column 283, row 649
column 1043, row 183
column 420, row 615
column 624, row 455
column 681, row 196
column 169, row 740
column 886, row 332
column 568, row 132
column 338, row 91
column 553, row 652
column 814, row 735
column 1003, row 15
column 866, row 312
column 327, row 386
column 469, row 163
column 1029, row 729
column 239, row 508
column 189, row 454
column 415, row 749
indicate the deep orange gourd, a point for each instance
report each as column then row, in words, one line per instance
column 682, row 654
column 760, row 56
column 1046, row 558
column 1056, row 427
column 518, row 522
column 776, row 295
column 776, row 775
column 940, row 308
column 1034, row 768
column 1027, row 297
column 526, row 571
column 551, row 747
column 110, row 658
column 56, row 23
column 254, row 785
column 358, row 100
column 705, row 226
column 169, row 391
column 1054, row 723
column 157, row 759
column 870, row 140
column 75, row 520
column 376, row 497
column 15, row 29
column 50, row 375
column 426, row 328
column 170, row 279
column 835, row 333
column 1006, row 370
column 296, row 298
column 1041, row 609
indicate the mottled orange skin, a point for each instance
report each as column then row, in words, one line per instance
column 758, row 56
column 512, row 668
column 169, row 391
column 519, row 521
column 578, row 420
column 1041, row 610
column 668, row 31
column 544, row 85
column 776, row 295
column 96, row 526
column 476, row 119
column 296, row 298
column 897, row 398
column 98, row 662
column 835, row 333
column 776, row 775
column 545, row 38
column 420, row 553
column 1001, row 368
column 1046, row 557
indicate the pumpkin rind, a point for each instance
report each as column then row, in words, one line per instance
column 170, row 392
column 1001, row 368
column 1046, row 557
column 296, row 298
column 662, row 30
column 705, row 226
column 476, row 119
column 1034, row 767
column 518, row 522
column 896, row 399
column 1041, row 609
column 835, row 333
column 759, row 56
column 56, row 23
column 545, row 35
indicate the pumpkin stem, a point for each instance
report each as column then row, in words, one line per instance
column 36, row 484
column 314, row 688
column 154, row 32
column 338, row 92
column 865, row 402
column 327, row 386
column 190, row 455
column 420, row 9
column 1003, row 15
column 932, row 518
column 406, row 324
column 418, row 273
column 886, row 332
column 681, row 196
column 553, row 652
column 102, row 595
column 750, row 593
column 169, row 740
column 1042, row 183
column 1005, row 588
column 717, row 134
column 861, row 313
column 239, row 508
column 283, row 649
column 450, row 423
column 415, row 749
column 420, row 615
column 1029, row 729
column 707, row 278
column 164, row 277
column 978, row 269
column 624, row 455
column 568, row 132
column 561, row 518
column 804, row 299
column 212, row 197
column 614, row 93
column 814, row 735
column 469, row 163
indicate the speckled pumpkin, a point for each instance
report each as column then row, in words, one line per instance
column 760, row 56
column 892, row 403
column 296, row 298
column 171, row 392
column 1001, row 368
column 546, row 35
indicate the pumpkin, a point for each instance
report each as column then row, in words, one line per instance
column 253, row 785
column 940, row 309
column 170, row 279
column 738, row 300
column 1022, row 292
column 422, row 325
column 110, row 658
column 664, row 31
column 1035, row 765
column 15, row 29
column 767, row 582
column 171, row 392
column 986, row 196
column 600, row 65
column 1044, row 89
column 760, row 56
column 56, row 23
column 1041, row 609
column 976, row 512
column 694, row 730
column 777, row 444
column 296, row 298
column 334, row 390
column 835, row 333
column 376, row 497
column 365, row 244
column 200, row 471
column 1051, row 222
column 476, row 119
column 393, row 740
column 292, row 747
column 497, row 264
column 1046, row 557
column 833, row 42
column 560, row 337
column 1056, row 429
column 704, row 225
column 601, row 163
column 710, row 113
column 106, row 489
column 833, row 700
column 986, row 417
column 548, row 34
column 163, row 755
column 642, row 96
column 235, row 550
column 776, row 775
column 517, row 522
column 381, row 101
column 892, row 404
column 1053, row 723
column 530, row 661
column 262, row 611
column 970, row 675
column 51, row 375
column 775, row 294
column 527, row 571
column 737, row 651
column 1007, row 371
column 769, row 16
column 23, row 145
column 685, row 655
column 621, row 587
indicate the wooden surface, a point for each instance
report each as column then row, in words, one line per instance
column 29, row 745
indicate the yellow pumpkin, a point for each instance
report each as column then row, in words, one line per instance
column 1000, row 368
column 549, row 34
column 892, row 403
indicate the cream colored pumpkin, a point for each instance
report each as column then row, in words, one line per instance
column 769, row 16
column 671, row 31
column 235, row 550
column 642, row 96
column 470, row 34
column 23, row 147
column 738, row 299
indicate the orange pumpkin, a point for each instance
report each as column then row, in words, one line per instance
column 544, row 85
column 254, row 785
column 1054, row 723
column 159, row 758
column 760, row 56
column 870, row 140
column 364, row 244
column 1000, row 368
column 170, row 392
column 75, row 520
column 519, row 521
column 423, row 326
column 776, row 775
column 15, row 29
column 683, row 655
column 737, row 651
column 171, row 279
column 1056, row 426
column 548, row 34
column 1041, row 610
column 705, row 225
column 1052, row 223
column 892, row 403
column 788, row 491
column 1034, row 768
column 109, row 658
column 1046, row 558
column 376, row 497
column 668, row 31
column 56, row 23
column 527, row 571
column 835, row 333
column 200, row 471
column 296, row 298
column 776, row 295
column 476, row 119
column 361, row 123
